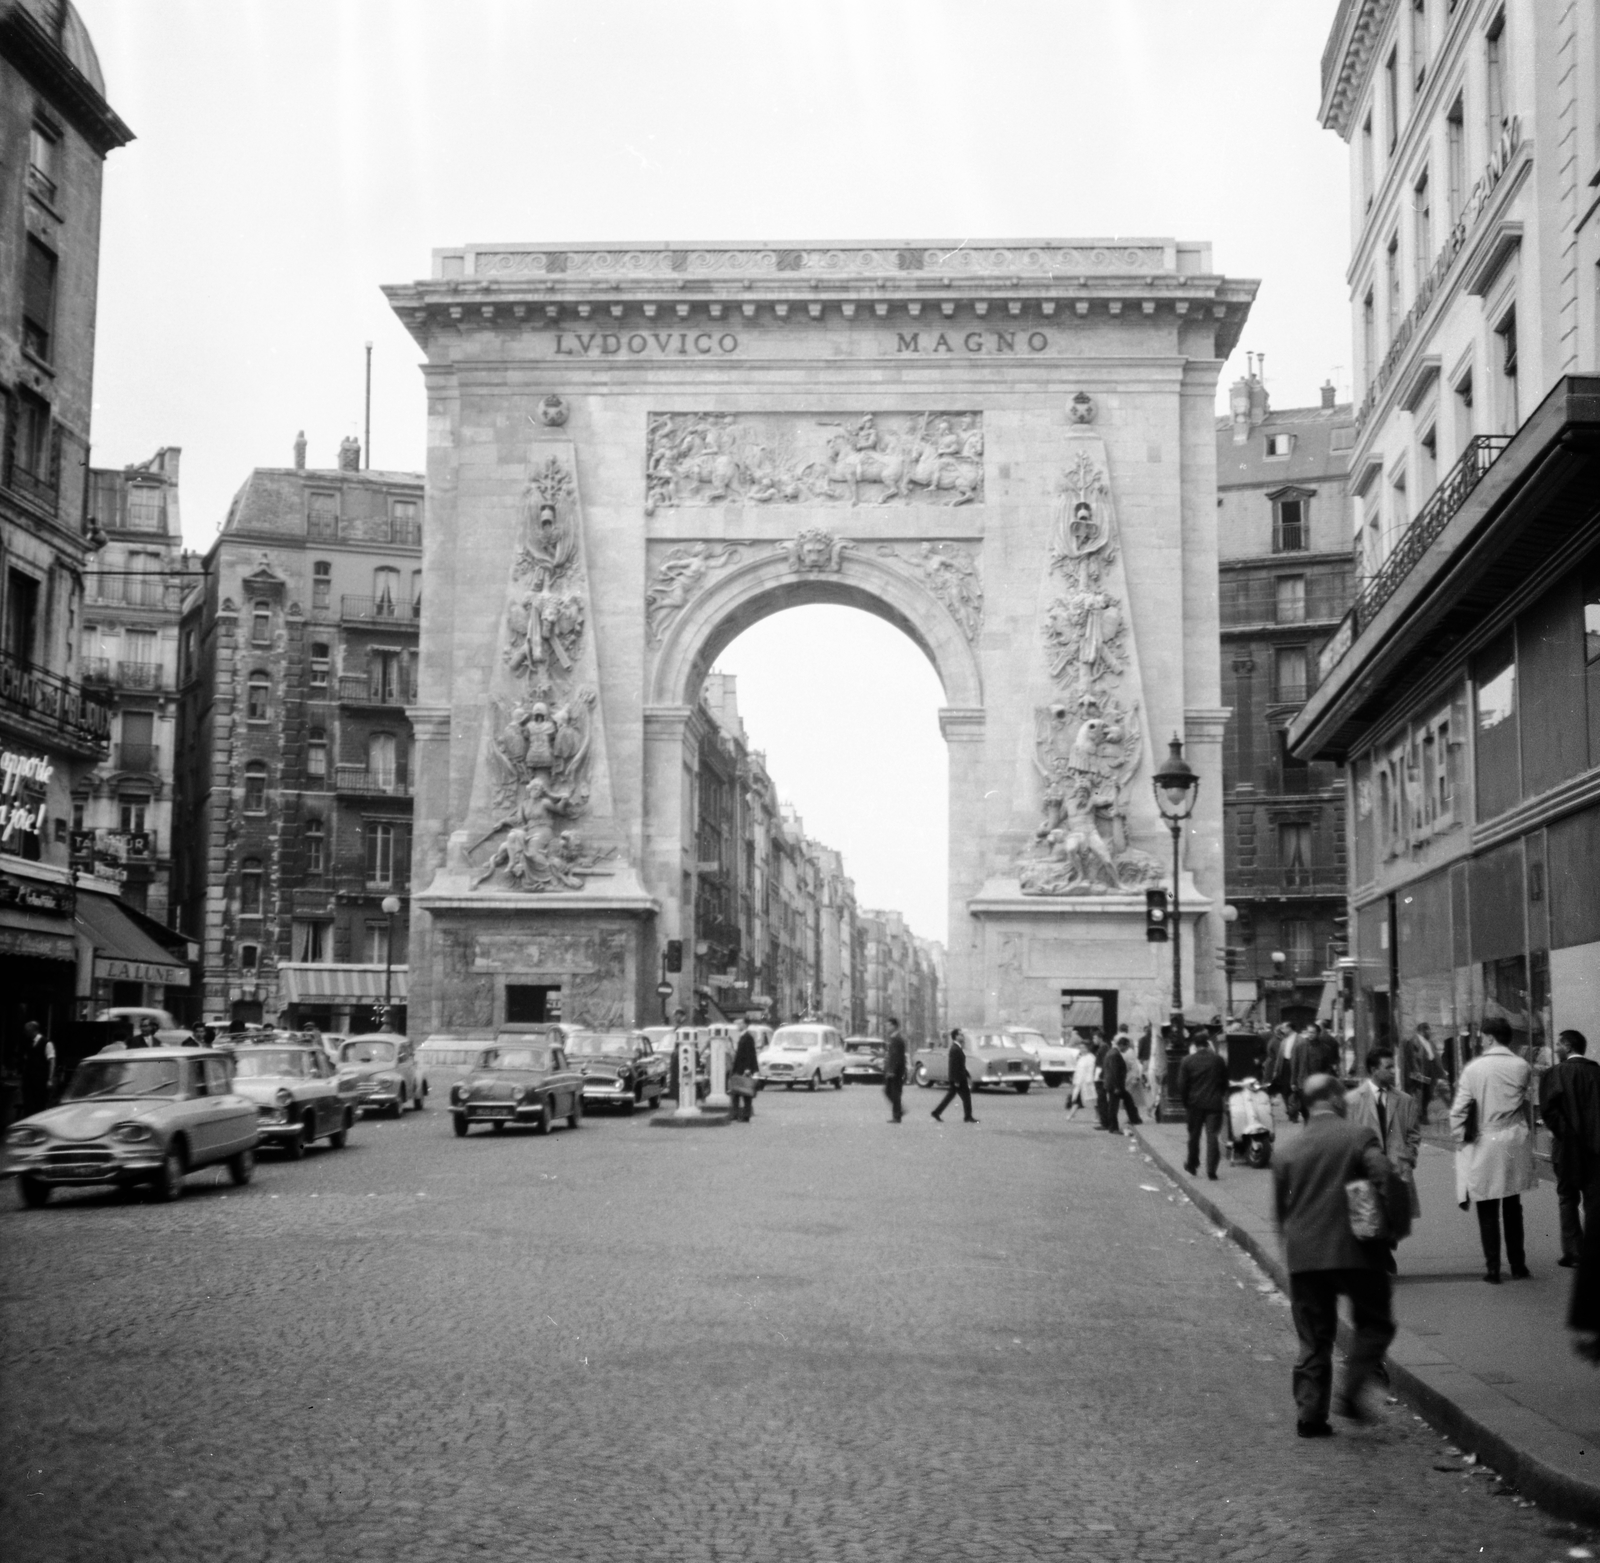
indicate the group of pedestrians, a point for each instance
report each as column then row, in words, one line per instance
column 1108, row 1073
column 1293, row 1056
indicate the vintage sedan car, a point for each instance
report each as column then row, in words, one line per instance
column 864, row 1058
column 151, row 1116
column 619, row 1068
column 299, row 1098
column 1056, row 1060
column 992, row 1060
column 806, row 1053
column 525, row 1078
column 383, row 1066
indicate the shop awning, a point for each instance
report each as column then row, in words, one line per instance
column 304, row 983
column 124, row 952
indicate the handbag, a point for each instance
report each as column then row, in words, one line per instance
column 741, row 1085
column 1365, row 1206
column 1469, row 1127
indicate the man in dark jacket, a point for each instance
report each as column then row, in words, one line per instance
column 960, row 1084
column 1117, row 1094
column 1102, row 1091
column 894, row 1071
column 1203, row 1090
column 1325, row 1258
column 38, row 1069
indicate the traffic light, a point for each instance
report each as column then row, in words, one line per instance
column 1155, row 916
column 674, row 954
column 1231, row 959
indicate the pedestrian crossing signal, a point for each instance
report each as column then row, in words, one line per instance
column 1155, row 916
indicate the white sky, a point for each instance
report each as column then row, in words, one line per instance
column 292, row 155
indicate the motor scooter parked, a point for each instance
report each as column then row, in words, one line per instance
column 1249, row 1124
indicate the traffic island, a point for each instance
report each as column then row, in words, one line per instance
column 698, row 1117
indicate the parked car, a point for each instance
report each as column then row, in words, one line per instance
column 525, row 1078
column 298, row 1095
column 864, row 1058
column 383, row 1066
column 993, row 1059
column 665, row 1040
column 168, row 1034
column 151, row 1116
column 1056, row 1060
column 619, row 1068
column 807, row 1053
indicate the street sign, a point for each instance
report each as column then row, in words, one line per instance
column 664, row 990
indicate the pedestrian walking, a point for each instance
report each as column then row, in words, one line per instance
column 1203, row 1090
column 1417, row 1066
column 960, row 1082
column 1102, row 1091
column 1491, row 1118
column 894, row 1071
column 1121, row 1067
column 1570, row 1106
column 1082, row 1091
column 742, row 1077
column 38, row 1068
column 1326, row 1260
column 1380, row 1105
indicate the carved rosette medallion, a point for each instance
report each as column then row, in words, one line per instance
column 931, row 458
column 1088, row 740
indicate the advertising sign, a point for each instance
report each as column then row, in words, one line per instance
column 23, row 779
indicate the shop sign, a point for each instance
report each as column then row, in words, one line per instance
column 23, row 777
column 106, row 851
column 39, row 946
column 30, row 896
column 139, row 971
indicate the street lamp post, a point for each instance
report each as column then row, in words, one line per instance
column 1176, row 788
column 391, row 905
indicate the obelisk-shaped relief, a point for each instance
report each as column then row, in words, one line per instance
column 540, row 820
column 1090, row 736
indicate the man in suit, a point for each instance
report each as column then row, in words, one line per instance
column 1102, row 1091
column 960, row 1082
column 1415, row 1066
column 894, row 1071
column 38, row 1068
column 1325, row 1258
column 1569, row 1102
column 1203, row 1090
column 1120, row 1064
column 1378, row 1104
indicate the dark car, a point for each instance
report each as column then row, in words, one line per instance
column 619, row 1068
column 864, row 1058
column 298, row 1096
column 524, row 1078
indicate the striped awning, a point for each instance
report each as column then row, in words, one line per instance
column 305, row 983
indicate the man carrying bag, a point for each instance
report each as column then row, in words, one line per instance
column 742, row 1077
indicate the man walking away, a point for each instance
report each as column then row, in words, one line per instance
column 742, row 1077
column 1491, row 1117
column 38, row 1069
column 1203, row 1090
column 1324, row 1257
column 1102, row 1091
column 960, row 1084
column 1572, row 1109
column 894, row 1071
column 1391, row 1114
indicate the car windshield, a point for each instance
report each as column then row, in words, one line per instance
column 124, row 1077
column 367, row 1053
column 864, row 1047
column 261, row 1063
column 600, row 1047
column 515, row 1058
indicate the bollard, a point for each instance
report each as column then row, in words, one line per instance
column 687, row 1079
column 718, row 1098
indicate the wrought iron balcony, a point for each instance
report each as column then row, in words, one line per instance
column 358, row 779
column 130, row 590
column 359, row 689
column 1274, row 880
column 1259, row 599
column 386, row 611
column 66, row 712
column 137, row 757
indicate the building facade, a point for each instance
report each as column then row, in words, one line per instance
column 297, row 661
column 1284, row 578
column 1462, row 689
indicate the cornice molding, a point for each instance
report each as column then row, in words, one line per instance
column 72, row 95
column 1347, row 59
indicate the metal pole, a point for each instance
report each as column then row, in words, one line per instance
column 1177, row 941
column 388, row 972
column 366, row 438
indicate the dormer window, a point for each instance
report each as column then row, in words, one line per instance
column 1280, row 444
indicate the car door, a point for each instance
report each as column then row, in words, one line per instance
column 565, row 1086
column 233, row 1117
column 329, row 1111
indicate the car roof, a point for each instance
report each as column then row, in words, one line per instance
column 375, row 1036
column 162, row 1052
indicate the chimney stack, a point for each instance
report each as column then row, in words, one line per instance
column 300, row 451
column 1329, row 395
column 349, row 454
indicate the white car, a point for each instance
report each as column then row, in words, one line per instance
column 807, row 1054
column 1056, row 1060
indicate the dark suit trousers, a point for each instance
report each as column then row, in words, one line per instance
column 1314, row 1300
column 1490, row 1213
column 962, row 1089
column 893, row 1089
column 1199, row 1118
column 1102, row 1104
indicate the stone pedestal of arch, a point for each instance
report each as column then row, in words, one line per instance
column 1006, row 451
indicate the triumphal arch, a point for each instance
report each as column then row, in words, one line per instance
column 1005, row 449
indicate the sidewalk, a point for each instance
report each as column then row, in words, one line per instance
column 1491, row 1366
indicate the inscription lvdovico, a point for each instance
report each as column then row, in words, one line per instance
column 713, row 344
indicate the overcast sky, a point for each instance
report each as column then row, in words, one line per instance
column 292, row 155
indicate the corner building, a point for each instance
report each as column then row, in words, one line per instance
column 1005, row 450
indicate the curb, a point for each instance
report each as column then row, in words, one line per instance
column 1482, row 1430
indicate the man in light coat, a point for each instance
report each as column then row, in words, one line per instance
column 1378, row 1104
column 1325, row 1258
column 1495, row 1163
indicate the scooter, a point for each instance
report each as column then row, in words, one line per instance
column 1249, row 1124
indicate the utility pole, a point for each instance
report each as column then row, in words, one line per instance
column 366, row 439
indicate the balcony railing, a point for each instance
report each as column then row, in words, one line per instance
column 124, row 675
column 1258, row 600
column 137, row 757
column 380, row 610
column 359, row 689
column 135, row 591
column 1272, row 880
column 1290, row 694
column 68, row 709
column 358, row 779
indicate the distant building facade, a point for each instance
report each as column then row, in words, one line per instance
column 1284, row 578
column 297, row 660
column 1463, row 687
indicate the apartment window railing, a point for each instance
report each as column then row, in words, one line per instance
column 140, row 675
column 382, row 610
column 358, row 779
column 69, row 708
column 1291, row 694
column 360, row 689
column 136, row 757
column 1258, row 600
column 134, row 590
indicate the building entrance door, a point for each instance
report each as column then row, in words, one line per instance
column 1088, row 1009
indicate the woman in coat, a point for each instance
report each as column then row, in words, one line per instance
column 1494, row 1162
column 745, row 1065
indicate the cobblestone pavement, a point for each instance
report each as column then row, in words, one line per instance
column 814, row 1338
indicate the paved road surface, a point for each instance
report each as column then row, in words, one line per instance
column 816, row 1338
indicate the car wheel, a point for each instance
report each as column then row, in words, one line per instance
column 242, row 1168
column 398, row 1105
column 168, row 1183
column 418, row 1101
column 541, row 1124
column 922, row 1077
column 33, row 1192
column 1021, row 1087
column 1052, row 1081
column 342, row 1133
column 296, row 1148
column 308, row 1130
column 575, row 1117
column 815, row 1080
column 458, row 1122
column 838, row 1082
column 631, row 1106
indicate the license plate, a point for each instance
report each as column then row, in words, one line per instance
column 491, row 1112
column 77, row 1169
